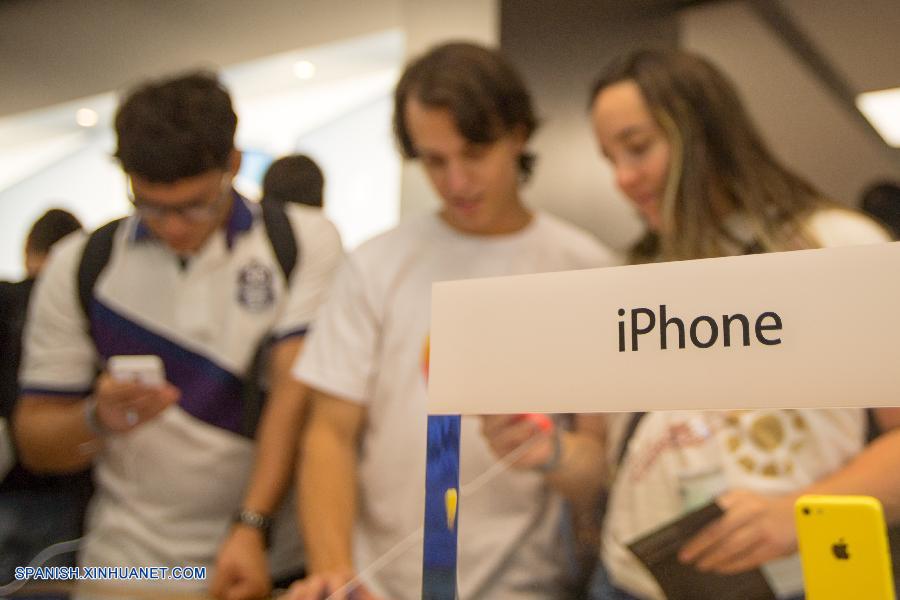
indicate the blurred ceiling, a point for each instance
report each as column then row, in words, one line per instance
column 52, row 52
column 851, row 48
column 859, row 40
column 347, row 74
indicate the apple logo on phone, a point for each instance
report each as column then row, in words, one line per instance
column 840, row 550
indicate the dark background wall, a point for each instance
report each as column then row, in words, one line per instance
column 560, row 47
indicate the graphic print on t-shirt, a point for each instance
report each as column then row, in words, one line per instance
column 763, row 443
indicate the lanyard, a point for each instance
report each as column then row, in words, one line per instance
column 441, row 508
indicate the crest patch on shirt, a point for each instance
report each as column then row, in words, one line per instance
column 256, row 290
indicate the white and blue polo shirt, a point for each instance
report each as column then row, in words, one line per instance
column 167, row 490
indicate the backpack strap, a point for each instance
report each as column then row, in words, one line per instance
column 629, row 433
column 94, row 258
column 873, row 429
column 281, row 236
column 287, row 252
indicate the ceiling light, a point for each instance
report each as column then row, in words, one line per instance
column 304, row 69
column 86, row 117
column 882, row 109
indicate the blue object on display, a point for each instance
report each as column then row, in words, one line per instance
column 441, row 508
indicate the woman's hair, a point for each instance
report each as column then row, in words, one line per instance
column 719, row 163
column 882, row 201
column 481, row 89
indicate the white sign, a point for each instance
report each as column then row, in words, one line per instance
column 806, row 329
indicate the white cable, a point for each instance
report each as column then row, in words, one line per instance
column 466, row 490
column 42, row 557
column 398, row 549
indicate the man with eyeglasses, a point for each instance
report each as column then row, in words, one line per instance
column 194, row 277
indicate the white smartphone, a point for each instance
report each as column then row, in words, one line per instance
column 146, row 369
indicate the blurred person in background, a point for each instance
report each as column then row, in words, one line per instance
column 205, row 280
column 295, row 178
column 686, row 154
column 463, row 111
column 881, row 201
column 35, row 511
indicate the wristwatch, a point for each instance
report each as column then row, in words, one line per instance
column 255, row 520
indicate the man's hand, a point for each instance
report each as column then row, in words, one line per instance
column 242, row 571
column 754, row 530
column 531, row 435
column 335, row 585
column 123, row 406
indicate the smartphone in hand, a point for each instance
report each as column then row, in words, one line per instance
column 146, row 369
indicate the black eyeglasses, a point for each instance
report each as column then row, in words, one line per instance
column 195, row 212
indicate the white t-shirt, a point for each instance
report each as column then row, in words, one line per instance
column 679, row 460
column 166, row 491
column 367, row 347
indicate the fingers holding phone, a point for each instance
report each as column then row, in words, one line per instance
column 132, row 391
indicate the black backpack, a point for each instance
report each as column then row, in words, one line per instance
column 96, row 254
column 71, row 487
column 14, row 299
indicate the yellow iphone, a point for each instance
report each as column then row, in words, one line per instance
column 843, row 548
